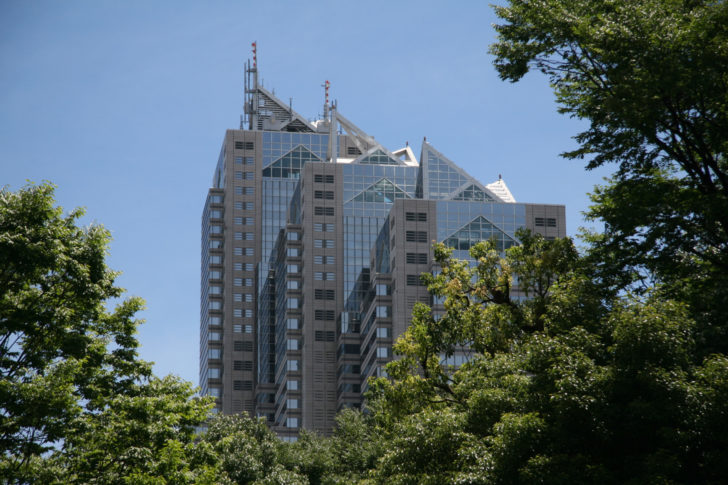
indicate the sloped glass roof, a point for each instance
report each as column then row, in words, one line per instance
column 479, row 229
column 378, row 157
column 474, row 193
column 381, row 191
column 443, row 177
column 290, row 164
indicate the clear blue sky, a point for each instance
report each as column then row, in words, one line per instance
column 124, row 105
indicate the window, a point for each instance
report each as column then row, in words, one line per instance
column 292, row 268
column 384, row 311
column 216, row 214
column 323, row 194
column 382, row 352
column 292, row 403
column 237, row 328
column 322, row 294
column 416, row 236
column 215, row 305
column 216, row 290
column 238, row 191
column 239, row 160
column 237, row 312
column 293, row 304
column 292, row 365
column 215, row 243
column 216, row 229
column 353, row 151
column 242, row 385
column 323, row 276
column 237, row 282
column 215, row 321
column 242, row 346
column 414, row 280
column 323, row 227
column 416, row 258
column 349, row 387
column 249, row 161
column 292, row 344
column 292, row 324
column 323, row 211
column 215, row 336
column 214, row 392
column 216, row 199
column 383, row 290
column 215, row 259
column 244, row 145
column 545, row 221
column 291, row 422
column 244, row 365
column 383, row 332
column 550, row 222
column 215, row 275
column 349, row 349
column 213, row 373
column 416, row 216
column 248, row 313
column 323, row 260
column 293, row 236
column 326, row 179
column 293, row 284
column 328, row 315
column 292, row 385
column 237, row 297
column 324, row 336
column 238, row 175
column 214, row 353
column 249, row 206
column 323, row 243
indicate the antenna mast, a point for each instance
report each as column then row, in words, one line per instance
column 251, row 92
column 326, row 86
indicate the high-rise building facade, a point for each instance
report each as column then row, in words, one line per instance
column 313, row 239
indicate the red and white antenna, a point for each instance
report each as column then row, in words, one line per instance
column 255, row 54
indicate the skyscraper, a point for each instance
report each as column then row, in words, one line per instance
column 313, row 239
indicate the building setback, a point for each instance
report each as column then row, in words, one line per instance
column 313, row 239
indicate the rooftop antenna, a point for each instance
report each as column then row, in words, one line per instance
column 255, row 54
column 326, row 86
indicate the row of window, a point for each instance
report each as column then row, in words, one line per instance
column 323, row 294
column 324, row 336
column 323, row 227
column 243, row 251
column 245, row 160
column 239, row 175
column 327, row 315
column 242, row 281
column 248, row 206
column 239, row 312
column 416, row 236
column 545, row 221
column 416, row 216
column 416, row 258
column 414, row 280
column 323, row 211
column 323, row 194
column 323, row 259
column 325, row 179
column 244, row 236
column 244, row 145
column 324, row 275
column 323, row 243
column 244, row 365
column 244, row 190
column 242, row 385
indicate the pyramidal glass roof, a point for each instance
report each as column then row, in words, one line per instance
column 474, row 193
column 381, row 191
column 290, row 164
column 477, row 230
column 378, row 157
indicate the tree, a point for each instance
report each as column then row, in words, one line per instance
column 75, row 400
column 650, row 77
column 575, row 384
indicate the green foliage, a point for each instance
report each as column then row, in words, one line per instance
column 76, row 403
column 651, row 78
column 585, row 386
